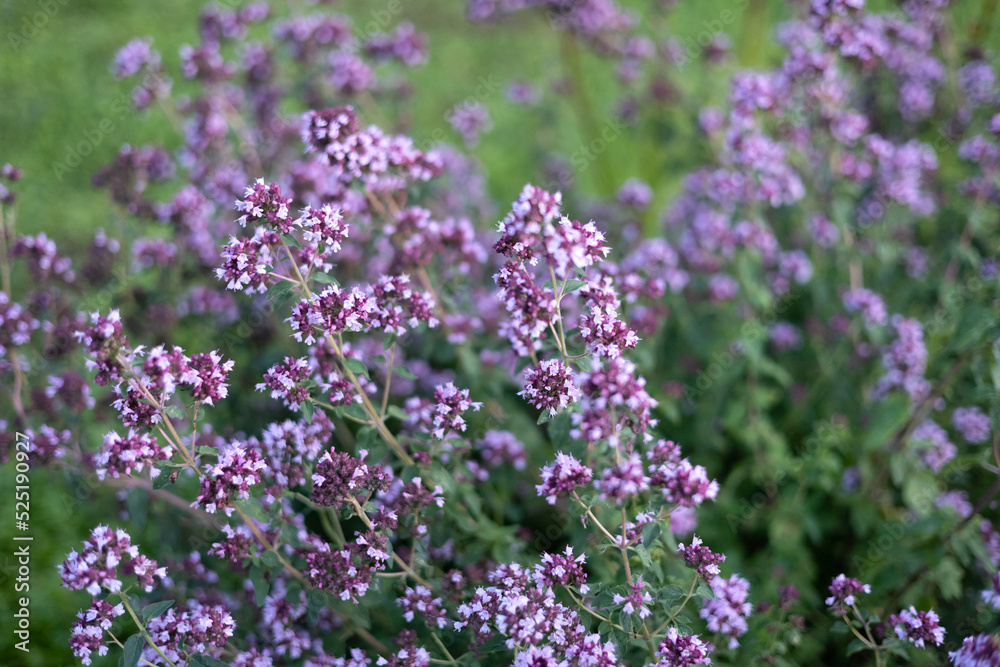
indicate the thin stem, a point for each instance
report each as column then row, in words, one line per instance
column 329, row 406
column 378, row 422
column 409, row 570
column 388, row 380
column 291, row 569
column 596, row 521
column 871, row 640
column 451, row 659
column 591, row 611
column 142, row 629
column 687, row 598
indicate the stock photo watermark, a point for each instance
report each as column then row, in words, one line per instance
column 22, row 547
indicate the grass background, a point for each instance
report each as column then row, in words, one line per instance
column 57, row 90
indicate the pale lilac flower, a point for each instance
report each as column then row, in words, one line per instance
column 917, row 627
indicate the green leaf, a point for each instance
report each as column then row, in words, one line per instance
column 361, row 617
column 353, row 410
column 325, row 278
column 205, row 661
column 495, row 643
column 625, row 620
column 887, row 417
column 251, row 507
column 356, row 366
column 670, row 593
column 308, row 409
column 972, row 326
column 378, row 359
column 132, row 651
column 315, row 599
column 151, row 611
column 290, row 535
column 206, row 449
column 261, row 586
column 270, row 559
column 545, row 416
column 704, row 590
column 404, row 372
column 388, row 340
column 650, row 533
column 175, row 411
column 291, row 240
column 397, row 412
column 604, row 599
column 280, row 291
column 856, row 646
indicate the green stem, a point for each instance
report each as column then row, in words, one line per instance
column 142, row 629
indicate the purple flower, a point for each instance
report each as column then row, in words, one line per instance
column 245, row 261
column 131, row 58
column 785, row 336
column 979, row 83
column 562, row 477
column 956, row 500
column 449, row 404
column 531, row 308
column 635, row 194
column 421, row 601
column 905, row 360
column 549, row 386
column 991, row 595
column 977, row 651
column 701, row 559
column 571, row 244
column 932, row 444
column 522, row 92
column 16, row 324
column 499, row 447
column 87, row 635
column 340, row 476
column 286, row 382
column 683, row 483
column 917, row 627
column 97, row 566
column 824, row 232
column 870, row 304
column 843, row 590
column 613, row 384
column 606, row 335
column 728, row 613
column 521, row 230
column 191, row 627
column 563, row 569
column 972, row 423
column 470, row 119
column 677, row 650
column 623, row 481
column 120, row 456
column 263, row 204
column 230, row 478
column 635, row 602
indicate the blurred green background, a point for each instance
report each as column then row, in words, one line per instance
column 57, row 89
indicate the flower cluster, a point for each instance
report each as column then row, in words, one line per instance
column 230, row 478
column 842, row 593
column 701, row 559
column 340, row 476
column 917, row 626
column 108, row 554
